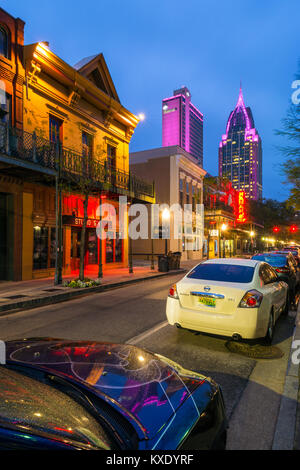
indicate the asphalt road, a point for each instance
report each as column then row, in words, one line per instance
column 136, row 314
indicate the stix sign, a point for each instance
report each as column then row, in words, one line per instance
column 241, row 207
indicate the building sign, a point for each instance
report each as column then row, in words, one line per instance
column 78, row 221
column 214, row 233
column 241, row 207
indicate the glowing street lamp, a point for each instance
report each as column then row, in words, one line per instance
column 223, row 229
column 165, row 218
column 252, row 234
column 166, row 214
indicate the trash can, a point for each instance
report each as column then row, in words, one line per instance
column 177, row 255
column 163, row 264
column 171, row 260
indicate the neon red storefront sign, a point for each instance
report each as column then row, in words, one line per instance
column 241, row 207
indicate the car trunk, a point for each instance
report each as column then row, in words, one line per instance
column 211, row 296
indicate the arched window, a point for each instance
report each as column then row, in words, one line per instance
column 3, row 42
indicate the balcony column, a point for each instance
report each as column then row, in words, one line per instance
column 58, row 235
column 100, row 266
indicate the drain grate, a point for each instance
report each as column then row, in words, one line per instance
column 255, row 351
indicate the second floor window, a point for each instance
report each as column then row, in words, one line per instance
column 55, row 129
column 5, row 107
column 4, row 42
column 111, row 156
column 87, row 144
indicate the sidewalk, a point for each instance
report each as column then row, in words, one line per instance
column 21, row 295
column 287, row 434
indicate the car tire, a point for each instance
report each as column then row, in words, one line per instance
column 286, row 309
column 270, row 330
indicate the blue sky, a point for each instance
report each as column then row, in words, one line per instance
column 153, row 47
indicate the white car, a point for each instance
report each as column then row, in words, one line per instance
column 239, row 298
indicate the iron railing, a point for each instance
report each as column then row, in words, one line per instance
column 74, row 166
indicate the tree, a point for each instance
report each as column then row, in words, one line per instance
column 291, row 131
column 271, row 213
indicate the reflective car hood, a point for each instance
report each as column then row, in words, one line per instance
column 141, row 385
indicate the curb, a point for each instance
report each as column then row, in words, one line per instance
column 286, row 426
column 74, row 293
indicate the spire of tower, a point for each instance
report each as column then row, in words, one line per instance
column 240, row 99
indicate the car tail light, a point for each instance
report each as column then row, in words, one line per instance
column 173, row 292
column 252, row 299
column 282, row 270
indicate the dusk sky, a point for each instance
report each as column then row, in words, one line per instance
column 154, row 47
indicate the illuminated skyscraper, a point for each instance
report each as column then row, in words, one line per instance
column 182, row 124
column 240, row 152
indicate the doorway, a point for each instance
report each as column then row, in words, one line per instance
column 6, row 237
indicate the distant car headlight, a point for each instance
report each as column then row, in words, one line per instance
column 252, row 299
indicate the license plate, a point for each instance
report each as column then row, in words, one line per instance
column 207, row 301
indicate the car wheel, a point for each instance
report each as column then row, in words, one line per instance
column 270, row 330
column 287, row 305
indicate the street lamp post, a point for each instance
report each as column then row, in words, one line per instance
column 166, row 219
column 252, row 235
column 100, row 266
column 223, row 229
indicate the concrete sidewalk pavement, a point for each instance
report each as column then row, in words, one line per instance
column 23, row 295
column 287, row 433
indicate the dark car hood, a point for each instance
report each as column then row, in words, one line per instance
column 141, row 385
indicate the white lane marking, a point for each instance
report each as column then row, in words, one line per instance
column 138, row 338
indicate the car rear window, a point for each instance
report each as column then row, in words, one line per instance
column 276, row 261
column 222, row 272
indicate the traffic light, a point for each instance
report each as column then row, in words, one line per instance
column 276, row 229
column 293, row 228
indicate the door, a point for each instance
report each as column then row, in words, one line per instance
column 3, row 237
column 75, row 248
column 91, row 247
column 272, row 289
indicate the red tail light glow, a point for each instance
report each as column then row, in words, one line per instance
column 173, row 292
column 252, row 299
column 282, row 270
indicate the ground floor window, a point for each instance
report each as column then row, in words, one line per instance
column 114, row 250
column 44, row 247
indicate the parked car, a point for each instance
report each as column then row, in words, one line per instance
column 285, row 268
column 230, row 297
column 59, row 394
column 294, row 261
column 294, row 252
column 292, row 248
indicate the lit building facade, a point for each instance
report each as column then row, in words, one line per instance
column 240, row 152
column 11, row 114
column 182, row 124
column 65, row 122
column 178, row 182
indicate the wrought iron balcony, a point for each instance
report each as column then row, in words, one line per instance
column 17, row 146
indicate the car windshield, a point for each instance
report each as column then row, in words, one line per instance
column 222, row 272
column 275, row 260
column 26, row 403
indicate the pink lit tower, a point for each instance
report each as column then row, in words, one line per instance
column 182, row 124
column 240, row 152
